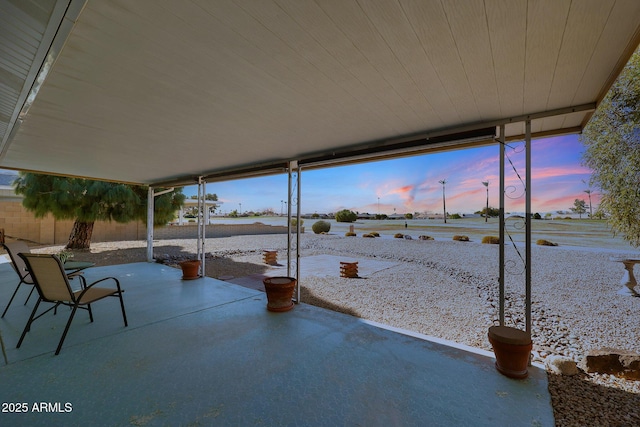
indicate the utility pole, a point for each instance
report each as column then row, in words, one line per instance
column 444, row 204
column 486, row 212
column 590, row 211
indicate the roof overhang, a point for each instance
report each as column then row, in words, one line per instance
column 161, row 94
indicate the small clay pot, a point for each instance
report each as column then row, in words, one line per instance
column 512, row 348
column 190, row 269
column 279, row 293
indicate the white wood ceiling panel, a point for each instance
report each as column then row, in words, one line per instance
column 623, row 16
column 545, row 28
column 468, row 23
column 153, row 90
column 508, row 23
column 583, row 29
column 376, row 65
column 421, row 82
column 429, row 21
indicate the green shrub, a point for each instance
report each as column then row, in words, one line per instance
column 294, row 222
column 346, row 215
column 399, row 236
column 455, row 216
column 423, row 237
column 461, row 238
column 321, row 227
column 493, row 240
column 349, row 234
column 543, row 242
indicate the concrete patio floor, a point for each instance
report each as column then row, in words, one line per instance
column 207, row 352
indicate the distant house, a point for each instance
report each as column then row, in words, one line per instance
column 366, row 216
column 7, row 193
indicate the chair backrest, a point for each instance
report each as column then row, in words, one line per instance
column 49, row 277
column 13, row 249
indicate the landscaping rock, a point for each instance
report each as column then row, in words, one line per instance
column 561, row 365
column 621, row 363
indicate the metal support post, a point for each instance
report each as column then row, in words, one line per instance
column 293, row 242
column 528, row 224
column 502, row 225
column 150, row 205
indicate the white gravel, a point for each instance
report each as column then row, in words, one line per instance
column 449, row 290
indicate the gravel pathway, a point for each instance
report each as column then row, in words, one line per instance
column 449, row 290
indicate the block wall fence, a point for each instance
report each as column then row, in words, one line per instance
column 18, row 223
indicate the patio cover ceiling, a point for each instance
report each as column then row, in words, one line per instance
column 159, row 92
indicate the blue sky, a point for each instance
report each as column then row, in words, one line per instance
column 411, row 184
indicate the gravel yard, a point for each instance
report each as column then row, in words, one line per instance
column 449, row 290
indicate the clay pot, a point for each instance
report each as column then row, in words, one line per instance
column 190, row 269
column 279, row 293
column 512, row 348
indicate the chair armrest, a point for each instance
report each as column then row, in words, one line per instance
column 87, row 287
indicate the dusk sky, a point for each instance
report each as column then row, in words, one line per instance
column 411, row 184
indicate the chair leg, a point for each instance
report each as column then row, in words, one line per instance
column 30, row 293
column 28, row 325
column 66, row 329
column 124, row 315
column 90, row 312
column 11, row 300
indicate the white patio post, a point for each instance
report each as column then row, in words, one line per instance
column 151, row 197
column 202, row 224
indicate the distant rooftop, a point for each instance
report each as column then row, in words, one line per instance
column 7, row 178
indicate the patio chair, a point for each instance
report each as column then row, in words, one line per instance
column 13, row 249
column 53, row 287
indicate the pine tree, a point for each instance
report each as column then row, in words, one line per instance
column 612, row 141
column 86, row 201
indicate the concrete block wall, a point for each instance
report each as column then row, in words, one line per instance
column 18, row 223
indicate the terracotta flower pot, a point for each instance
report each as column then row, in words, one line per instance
column 512, row 348
column 279, row 293
column 190, row 269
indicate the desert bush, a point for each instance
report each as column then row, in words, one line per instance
column 346, row 215
column 399, row 236
column 543, row 242
column 294, row 222
column 375, row 234
column 423, row 237
column 461, row 238
column 349, row 234
column 321, row 227
column 368, row 235
column 455, row 216
column 567, row 217
column 493, row 240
